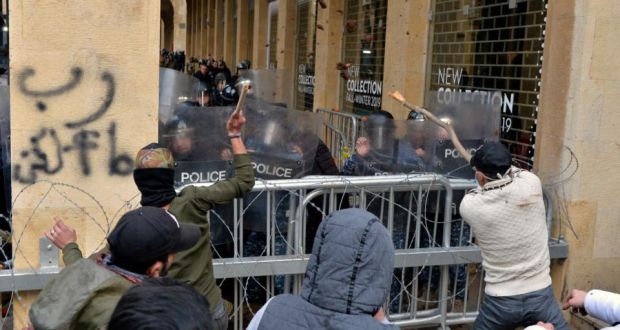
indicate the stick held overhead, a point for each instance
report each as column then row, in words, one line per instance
column 447, row 125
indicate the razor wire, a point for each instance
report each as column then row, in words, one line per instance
column 417, row 299
column 408, row 280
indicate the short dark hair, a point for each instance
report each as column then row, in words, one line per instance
column 161, row 303
column 492, row 159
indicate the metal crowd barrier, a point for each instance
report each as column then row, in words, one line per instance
column 340, row 130
column 428, row 288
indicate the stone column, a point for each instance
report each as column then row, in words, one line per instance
column 77, row 124
column 229, row 33
column 577, row 141
column 328, row 54
column 261, row 19
column 243, row 30
column 180, row 24
column 404, row 64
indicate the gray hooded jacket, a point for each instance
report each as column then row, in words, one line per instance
column 347, row 279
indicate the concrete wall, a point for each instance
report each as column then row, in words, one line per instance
column 84, row 94
column 579, row 96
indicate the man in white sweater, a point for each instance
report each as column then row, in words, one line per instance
column 507, row 215
column 599, row 304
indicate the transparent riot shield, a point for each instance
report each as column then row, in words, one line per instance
column 282, row 142
column 198, row 139
column 271, row 86
column 475, row 118
column 387, row 146
column 175, row 87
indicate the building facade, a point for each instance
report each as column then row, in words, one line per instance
column 551, row 66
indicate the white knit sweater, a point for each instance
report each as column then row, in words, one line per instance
column 508, row 220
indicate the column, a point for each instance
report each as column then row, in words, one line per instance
column 259, row 48
column 218, row 51
column 229, row 33
column 328, row 54
column 86, row 116
column 243, row 31
column 407, row 33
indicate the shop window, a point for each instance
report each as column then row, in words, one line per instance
column 363, row 49
column 491, row 46
column 306, row 43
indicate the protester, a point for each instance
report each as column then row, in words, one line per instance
column 163, row 304
column 599, row 304
column 223, row 68
column 203, row 74
column 507, row 214
column 380, row 152
column 154, row 176
column 347, row 279
column 83, row 296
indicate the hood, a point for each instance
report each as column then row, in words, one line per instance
column 350, row 269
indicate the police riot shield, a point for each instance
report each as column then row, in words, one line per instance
column 271, row 86
column 199, row 142
column 198, row 139
column 281, row 142
column 475, row 117
column 175, row 87
column 388, row 146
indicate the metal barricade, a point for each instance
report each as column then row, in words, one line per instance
column 437, row 279
column 340, row 130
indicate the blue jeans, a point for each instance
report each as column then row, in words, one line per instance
column 498, row 313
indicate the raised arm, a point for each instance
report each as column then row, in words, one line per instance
column 242, row 181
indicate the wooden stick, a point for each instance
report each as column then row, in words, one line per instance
column 244, row 91
column 446, row 125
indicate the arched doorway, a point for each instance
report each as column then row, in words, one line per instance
column 167, row 21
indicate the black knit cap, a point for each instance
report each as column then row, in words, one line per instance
column 492, row 158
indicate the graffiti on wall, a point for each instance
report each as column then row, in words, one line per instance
column 47, row 154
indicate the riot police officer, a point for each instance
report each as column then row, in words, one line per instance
column 225, row 94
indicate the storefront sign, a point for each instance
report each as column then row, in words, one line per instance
column 305, row 81
column 456, row 96
column 363, row 92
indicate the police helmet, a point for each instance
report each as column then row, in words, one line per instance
column 219, row 77
column 177, row 127
column 244, row 65
column 229, row 94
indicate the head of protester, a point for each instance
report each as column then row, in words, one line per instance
column 154, row 175
column 507, row 214
column 145, row 240
column 491, row 162
column 163, row 304
column 85, row 293
column 347, row 278
column 202, row 67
